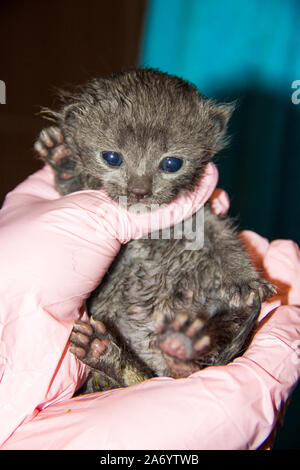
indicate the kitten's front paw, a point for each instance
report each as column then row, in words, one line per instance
column 52, row 150
column 50, row 147
column 88, row 341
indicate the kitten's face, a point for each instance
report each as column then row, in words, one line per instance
column 143, row 135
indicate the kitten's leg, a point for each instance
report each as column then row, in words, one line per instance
column 52, row 150
column 221, row 302
column 112, row 366
column 215, row 334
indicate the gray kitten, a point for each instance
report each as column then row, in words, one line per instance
column 162, row 309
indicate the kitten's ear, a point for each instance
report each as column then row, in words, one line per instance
column 74, row 106
column 221, row 114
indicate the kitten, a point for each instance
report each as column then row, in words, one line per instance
column 162, row 309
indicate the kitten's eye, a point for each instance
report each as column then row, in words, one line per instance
column 171, row 164
column 112, row 158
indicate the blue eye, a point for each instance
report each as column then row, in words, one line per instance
column 112, row 158
column 171, row 164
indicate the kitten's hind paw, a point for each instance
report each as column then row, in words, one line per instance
column 216, row 327
column 88, row 341
column 183, row 339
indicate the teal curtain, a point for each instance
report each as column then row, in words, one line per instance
column 247, row 51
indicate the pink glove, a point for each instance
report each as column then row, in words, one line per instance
column 230, row 407
column 225, row 407
column 54, row 251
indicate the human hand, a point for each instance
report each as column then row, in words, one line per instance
column 223, row 407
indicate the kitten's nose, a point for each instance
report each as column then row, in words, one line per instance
column 139, row 193
column 139, row 187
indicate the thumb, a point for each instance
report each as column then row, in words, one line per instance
column 57, row 247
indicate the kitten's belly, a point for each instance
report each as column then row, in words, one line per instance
column 137, row 290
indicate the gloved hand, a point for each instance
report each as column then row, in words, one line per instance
column 54, row 251
column 225, row 407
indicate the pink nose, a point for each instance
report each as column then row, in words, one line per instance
column 139, row 193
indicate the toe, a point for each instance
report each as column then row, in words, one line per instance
column 56, row 134
column 80, row 339
column 98, row 346
column 202, row 343
column 39, row 148
column 58, row 153
column 159, row 322
column 77, row 351
column 45, row 138
column 195, row 327
column 83, row 327
column 98, row 326
column 179, row 321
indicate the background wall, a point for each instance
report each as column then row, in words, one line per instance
column 247, row 51
column 55, row 44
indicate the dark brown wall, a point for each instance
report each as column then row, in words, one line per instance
column 46, row 44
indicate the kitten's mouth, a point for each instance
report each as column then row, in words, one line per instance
column 138, row 200
column 139, row 204
column 146, row 201
column 130, row 201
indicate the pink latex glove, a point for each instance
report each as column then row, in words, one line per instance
column 224, row 407
column 228, row 407
column 54, row 251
